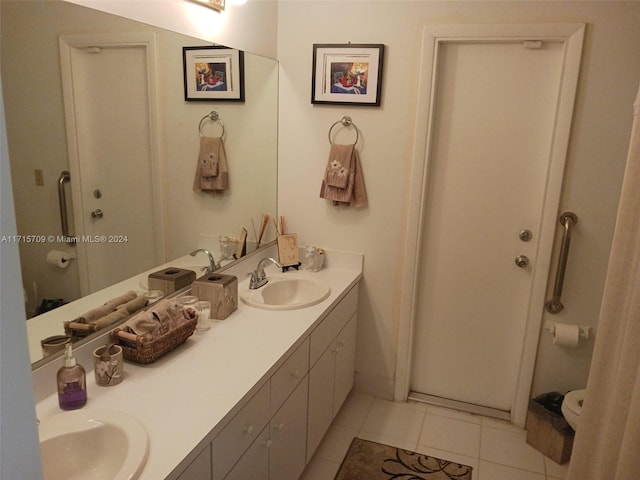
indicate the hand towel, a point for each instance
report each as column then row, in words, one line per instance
column 114, row 302
column 118, row 314
column 354, row 193
column 143, row 324
column 212, row 173
column 339, row 165
column 103, row 310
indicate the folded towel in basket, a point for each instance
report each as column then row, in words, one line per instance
column 353, row 194
column 212, row 173
column 143, row 324
column 165, row 316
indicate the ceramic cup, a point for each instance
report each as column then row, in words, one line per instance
column 108, row 371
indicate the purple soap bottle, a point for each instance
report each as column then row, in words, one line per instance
column 72, row 383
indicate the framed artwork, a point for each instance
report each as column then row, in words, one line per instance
column 215, row 4
column 347, row 74
column 213, row 73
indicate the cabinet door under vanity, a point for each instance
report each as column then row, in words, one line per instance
column 333, row 346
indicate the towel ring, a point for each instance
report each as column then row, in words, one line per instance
column 214, row 117
column 346, row 122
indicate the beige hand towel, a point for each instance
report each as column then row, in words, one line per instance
column 212, row 172
column 114, row 302
column 118, row 314
column 103, row 310
column 354, row 194
column 143, row 324
column 339, row 166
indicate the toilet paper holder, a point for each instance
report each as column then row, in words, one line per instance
column 584, row 330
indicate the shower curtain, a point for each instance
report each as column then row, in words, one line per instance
column 607, row 443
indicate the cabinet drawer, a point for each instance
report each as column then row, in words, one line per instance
column 285, row 380
column 242, row 430
column 324, row 333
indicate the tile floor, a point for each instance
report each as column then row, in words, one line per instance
column 496, row 450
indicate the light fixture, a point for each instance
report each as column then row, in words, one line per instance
column 215, row 4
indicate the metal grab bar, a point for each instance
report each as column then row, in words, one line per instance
column 64, row 177
column 568, row 221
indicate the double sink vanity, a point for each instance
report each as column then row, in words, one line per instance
column 251, row 398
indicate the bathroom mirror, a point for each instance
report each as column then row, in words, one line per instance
column 35, row 121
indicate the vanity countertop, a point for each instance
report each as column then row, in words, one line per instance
column 183, row 398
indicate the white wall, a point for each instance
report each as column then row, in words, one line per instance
column 595, row 165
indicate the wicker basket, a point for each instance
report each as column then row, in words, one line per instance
column 136, row 349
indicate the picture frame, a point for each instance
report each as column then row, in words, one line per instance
column 347, row 74
column 215, row 4
column 288, row 254
column 213, row 73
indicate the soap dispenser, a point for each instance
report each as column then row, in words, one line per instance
column 72, row 383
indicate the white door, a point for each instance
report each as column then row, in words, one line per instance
column 114, row 160
column 494, row 123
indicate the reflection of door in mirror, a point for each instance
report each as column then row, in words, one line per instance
column 114, row 163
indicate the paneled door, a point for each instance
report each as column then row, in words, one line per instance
column 109, row 95
column 487, row 217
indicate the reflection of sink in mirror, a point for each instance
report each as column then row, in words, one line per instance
column 92, row 443
column 290, row 291
column 200, row 262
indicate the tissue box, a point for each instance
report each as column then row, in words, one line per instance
column 171, row 279
column 220, row 290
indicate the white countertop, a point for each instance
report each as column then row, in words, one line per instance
column 181, row 397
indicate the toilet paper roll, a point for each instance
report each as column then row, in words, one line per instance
column 566, row 335
column 59, row 258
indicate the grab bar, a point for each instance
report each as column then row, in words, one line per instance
column 64, row 177
column 568, row 221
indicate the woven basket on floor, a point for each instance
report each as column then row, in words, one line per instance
column 136, row 349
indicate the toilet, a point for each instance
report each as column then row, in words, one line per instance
column 572, row 407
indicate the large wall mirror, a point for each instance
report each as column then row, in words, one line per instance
column 37, row 128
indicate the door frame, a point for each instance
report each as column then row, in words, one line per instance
column 147, row 40
column 572, row 36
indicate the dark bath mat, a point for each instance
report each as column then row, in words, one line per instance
column 366, row 460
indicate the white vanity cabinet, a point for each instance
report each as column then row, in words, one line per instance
column 333, row 348
column 275, row 433
column 200, row 467
column 279, row 452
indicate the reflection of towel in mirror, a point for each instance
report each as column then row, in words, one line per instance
column 103, row 310
column 353, row 193
column 121, row 311
column 212, row 173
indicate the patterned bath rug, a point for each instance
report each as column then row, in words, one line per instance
column 368, row 460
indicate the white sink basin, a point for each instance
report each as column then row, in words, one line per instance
column 92, row 444
column 287, row 292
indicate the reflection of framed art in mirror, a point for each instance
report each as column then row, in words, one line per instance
column 213, row 73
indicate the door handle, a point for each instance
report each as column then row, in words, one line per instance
column 97, row 213
column 522, row 261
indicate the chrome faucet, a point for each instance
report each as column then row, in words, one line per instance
column 212, row 263
column 259, row 278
